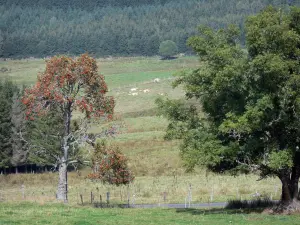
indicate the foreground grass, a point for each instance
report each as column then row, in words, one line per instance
column 27, row 213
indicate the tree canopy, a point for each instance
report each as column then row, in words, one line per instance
column 110, row 165
column 67, row 85
column 250, row 99
column 44, row 28
column 168, row 49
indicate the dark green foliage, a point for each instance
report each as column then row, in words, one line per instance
column 88, row 4
column 44, row 137
column 251, row 99
column 19, row 131
column 49, row 27
column 1, row 44
column 182, row 117
column 168, row 49
column 23, row 141
column 7, row 90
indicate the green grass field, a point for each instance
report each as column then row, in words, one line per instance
column 61, row 214
column 155, row 161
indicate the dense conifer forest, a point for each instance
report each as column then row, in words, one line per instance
column 42, row 28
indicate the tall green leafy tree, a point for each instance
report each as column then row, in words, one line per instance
column 68, row 84
column 250, row 99
column 167, row 49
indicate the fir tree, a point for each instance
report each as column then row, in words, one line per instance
column 6, row 95
column 19, row 145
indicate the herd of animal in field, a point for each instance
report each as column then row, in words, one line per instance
column 135, row 91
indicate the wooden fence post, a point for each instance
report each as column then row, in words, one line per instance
column 101, row 201
column 107, row 198
column 81, row 197
column 128, row 197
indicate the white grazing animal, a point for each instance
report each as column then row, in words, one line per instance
column 146, row 90
column 156, row 80
column 133, row 89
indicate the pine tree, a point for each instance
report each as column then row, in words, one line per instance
column 1, row 44
column 44, row 136
column 6, row 94
column 19, row 145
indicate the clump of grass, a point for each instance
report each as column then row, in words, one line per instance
column 142, row 113
column 147, row 194
column 4, row 69
column 244, row 190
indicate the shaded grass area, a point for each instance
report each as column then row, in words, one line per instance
column 27, row 213
column 251, row 204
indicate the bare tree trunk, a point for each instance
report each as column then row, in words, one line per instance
column 62, row 190
column 294, row 182
column 286, row 196
column 290, row 190
column 62, row 182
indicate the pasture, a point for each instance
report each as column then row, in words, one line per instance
column 155, row 161
column 61, row 214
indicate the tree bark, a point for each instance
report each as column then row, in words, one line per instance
column 290, row 191
column 62, row 182
column 286, row 194
column 294, row 181
column 62, row 190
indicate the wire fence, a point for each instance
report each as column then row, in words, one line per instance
column 125, row 196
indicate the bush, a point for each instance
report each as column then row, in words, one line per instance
column 110, row 165
column 167, row 49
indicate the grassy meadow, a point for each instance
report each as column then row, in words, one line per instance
column 155, row 162
column 26, row 213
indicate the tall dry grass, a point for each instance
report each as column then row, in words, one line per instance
column 145, row 189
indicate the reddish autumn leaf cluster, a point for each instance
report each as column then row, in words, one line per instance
column 110, row 166
column 69, row 83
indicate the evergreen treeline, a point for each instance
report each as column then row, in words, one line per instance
column 24, row 141
column 116, row 27
column 85, row 5
column 12, row 125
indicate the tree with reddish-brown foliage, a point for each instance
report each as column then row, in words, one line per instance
column 69, row 85
column 110, row 165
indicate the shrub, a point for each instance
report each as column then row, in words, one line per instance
column 110, row 165
column 167, row 49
